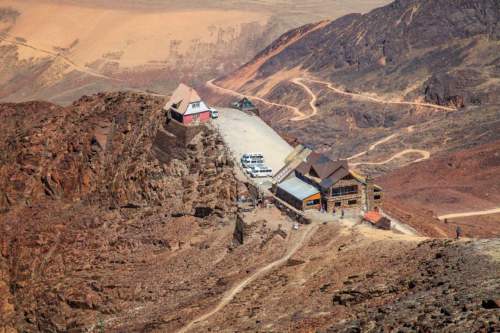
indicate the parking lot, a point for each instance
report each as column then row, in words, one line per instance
column 245, row 133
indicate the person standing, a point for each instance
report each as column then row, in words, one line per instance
column 458, row 231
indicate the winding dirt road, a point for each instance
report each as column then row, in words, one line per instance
column 373, row 146
column 300, row 115
column 312, row 102
column 231, row 293
column 467, row 214
column 378, row 100
column 425, row 156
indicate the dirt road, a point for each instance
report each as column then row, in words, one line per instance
column 312, row 102
column 467, row 214
column 373, row 146
column 300, row 115
column 425, row 156
column 307, row 232
column 378, row 100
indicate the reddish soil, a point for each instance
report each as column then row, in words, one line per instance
column 463, row 181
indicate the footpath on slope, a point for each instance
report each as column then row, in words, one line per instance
column 312, row 102
column 378, row 100
column 425, row 156
column 467, row 214
column 373, row 146
column 308, row 231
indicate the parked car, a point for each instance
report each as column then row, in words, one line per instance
column 252, row 167
column 214, row 113
column 251, row 161
column 261, row 171
column 252, row 155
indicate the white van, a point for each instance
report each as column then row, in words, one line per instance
column 250, row 167
column 251, row 160
column 252, row 155
column 261, row 171
column 214, row 113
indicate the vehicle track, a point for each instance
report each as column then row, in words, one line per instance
column 467, row 214
column 373, row 146
column 378, row 100
column 213, row 86
column 425, row 156
column 312, row 102
column 231, row 293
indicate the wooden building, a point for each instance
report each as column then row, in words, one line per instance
column 186, row 106
column 340, row 187
column 299, row 194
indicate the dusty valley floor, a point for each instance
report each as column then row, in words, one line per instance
column 56, row 50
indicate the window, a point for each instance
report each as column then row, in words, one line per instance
column 377, row 197
column 338, row 203
column 195, row 105
column 352, row 202
column 338, row 191
column 176, row 116
column 312, row 202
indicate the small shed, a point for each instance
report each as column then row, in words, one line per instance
column 245, row 104
column 299, row 194
column 377, row 220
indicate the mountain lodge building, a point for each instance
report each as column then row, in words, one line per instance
column 186, row 106
column 340, row 187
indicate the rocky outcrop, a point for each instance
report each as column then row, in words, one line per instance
column 92, row 201
column 452, row 290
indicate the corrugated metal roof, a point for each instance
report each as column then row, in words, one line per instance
column 298, row 188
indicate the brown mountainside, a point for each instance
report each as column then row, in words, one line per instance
column 378, row 73
column 450, row 48
column 110, row 223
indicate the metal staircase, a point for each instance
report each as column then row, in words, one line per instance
column 292, row 161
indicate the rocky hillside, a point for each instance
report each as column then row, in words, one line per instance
column 114, row 220
column 94, row 195
column 360, row 280
column 445, row 51
column 362, row 77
